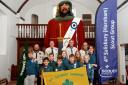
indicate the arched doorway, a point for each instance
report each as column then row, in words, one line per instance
column 34, row 19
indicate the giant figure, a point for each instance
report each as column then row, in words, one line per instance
column 58, row 26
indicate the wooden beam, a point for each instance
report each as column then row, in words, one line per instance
column 9, row 8
column 122, row 4
column 99, row 1
column 22, row 5
column 22, row 18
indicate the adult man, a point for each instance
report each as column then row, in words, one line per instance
column 38, row 55
column 71, row 49
column 52, row 49
column 58, row 27
column 84, row 49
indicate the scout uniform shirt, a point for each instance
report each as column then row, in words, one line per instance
column 53, row 50
column 59, row 68
column 83, row 52
column 71, row 50
column 74, row 65
column 46, row 69
column 38, row 55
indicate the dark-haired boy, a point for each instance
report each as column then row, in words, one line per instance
column 45, row 67
column 52, row 63
column 59, row 66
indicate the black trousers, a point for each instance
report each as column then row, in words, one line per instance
column 96, row 80
column 38, row 76
column 126, row 82
column 38, row 80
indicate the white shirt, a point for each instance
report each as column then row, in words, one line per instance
column 71, row 50
column 49, row 50
column 83, row 53
column 39, row 55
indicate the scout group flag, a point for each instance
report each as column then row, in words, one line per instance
column 106, row 40
column 76, row 76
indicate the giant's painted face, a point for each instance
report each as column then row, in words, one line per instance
column 64, row 8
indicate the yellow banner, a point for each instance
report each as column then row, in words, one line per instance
column 76, row 76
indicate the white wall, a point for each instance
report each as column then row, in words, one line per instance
column 123, row 24
column 45, row 11
column 9, row 56
column 121, row 64
column 3, row 33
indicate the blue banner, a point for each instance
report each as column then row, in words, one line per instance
column 106, row 40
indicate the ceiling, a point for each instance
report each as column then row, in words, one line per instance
column 24, row 5
column 14, row 4
column 27, row 4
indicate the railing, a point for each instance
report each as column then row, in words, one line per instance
column 39, row 31
column 31, row 30
column 89, row 31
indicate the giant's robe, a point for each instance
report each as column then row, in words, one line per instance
column 53, row 31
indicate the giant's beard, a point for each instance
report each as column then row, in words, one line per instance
column 62, row 14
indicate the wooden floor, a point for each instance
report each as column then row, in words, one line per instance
column 12, row 83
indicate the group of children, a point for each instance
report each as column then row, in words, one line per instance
column 64, row 62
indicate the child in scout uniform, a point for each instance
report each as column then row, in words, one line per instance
column 92, row 55
column 45, row 68
column 90, row 68
column 73, row 62
column 31, row 69
column 93, row 60
column 65, row 60
column 52, row 63
column 59, row 66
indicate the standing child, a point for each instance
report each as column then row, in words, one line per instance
column 90, row 68
column 92, row 60
column 45, row 68
column 31, row 69
column 92, row 55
